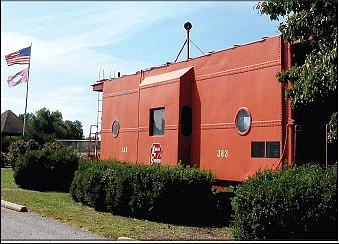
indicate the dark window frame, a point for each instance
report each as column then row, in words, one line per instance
column 153, row 129
column 258, row 149
column 272, row 149
column 265, row 149
column 237, row 126
column 115, row 122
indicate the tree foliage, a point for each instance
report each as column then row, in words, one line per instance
column 315, row 24
column 47, row 126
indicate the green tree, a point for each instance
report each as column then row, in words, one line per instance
column 74, row 129
column 46, row 126
column 314, row 24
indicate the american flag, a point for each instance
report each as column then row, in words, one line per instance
column 19, row 57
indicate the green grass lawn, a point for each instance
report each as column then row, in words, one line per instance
column 61, row 206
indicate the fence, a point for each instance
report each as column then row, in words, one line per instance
column 82, row 146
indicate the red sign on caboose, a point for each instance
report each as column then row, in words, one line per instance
column 155, row 157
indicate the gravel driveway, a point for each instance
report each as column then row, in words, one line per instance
column 20, row 226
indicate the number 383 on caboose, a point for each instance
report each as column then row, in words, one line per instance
column 224, row 111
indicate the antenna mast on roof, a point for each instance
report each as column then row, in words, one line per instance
column 187, row 27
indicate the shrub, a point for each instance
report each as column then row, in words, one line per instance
column 51, row 168
column 77, row 188
column 18, row 148
column 5, row 160
column 6, row 142
column 90, row 183
column 119, row 188
column 298, row 203
column 157, row 192
column 173, row 194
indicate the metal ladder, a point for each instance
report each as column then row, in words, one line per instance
column 96, row 134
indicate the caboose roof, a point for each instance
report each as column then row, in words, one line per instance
column 98, row 86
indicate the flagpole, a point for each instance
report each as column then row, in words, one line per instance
column 29, row 65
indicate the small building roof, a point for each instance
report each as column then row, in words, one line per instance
column 11, row 124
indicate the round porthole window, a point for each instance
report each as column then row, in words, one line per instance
column 115, row 128
column 243, row 121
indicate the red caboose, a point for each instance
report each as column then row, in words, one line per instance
column 224, row 111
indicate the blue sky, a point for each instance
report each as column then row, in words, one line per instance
column 73, row 40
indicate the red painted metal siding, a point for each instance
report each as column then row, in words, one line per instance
column 162, row 94
column 120, row 102
column 215, row 86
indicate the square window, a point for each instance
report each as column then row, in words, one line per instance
column 257, row 149
column 272, row 149
column 157, row 122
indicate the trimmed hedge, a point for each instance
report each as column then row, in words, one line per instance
column 50, row 169
column 156, row 192
column 298, row 203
